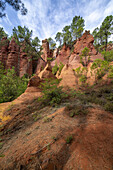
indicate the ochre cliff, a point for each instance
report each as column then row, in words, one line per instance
column 11, row 55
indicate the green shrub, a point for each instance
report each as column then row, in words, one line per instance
column 78, row 109
column 110, row 74
column 60, row 67
column 51, row 93
column 85, row 58
column 100, row 68
column 47, row 119
column 69, row 139
column 11, row 86
column 83, row 78
column 55, row 69
column 108, row 55
column 108, row 106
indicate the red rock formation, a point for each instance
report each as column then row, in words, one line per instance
column 68, row 77
column 45, row 50
column 13, row 56
column 45, row 54
column 47, row 72
column 4, row 51
column 25, row 66
column 63, row 56
column 85, row 41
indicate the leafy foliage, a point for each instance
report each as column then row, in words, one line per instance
column 55, row 69
column 2, row 33
column 102, row 34
column 11, row 86
column 60, row 67
column 100, row 68
column 23, row 38
column 69, row 139
column 51, row 93
column 81, row 73
column 52, row 44
column 67, row 38
column 59, row 37
column 85, row 58
column 16, row 4
column 108, row 55
column 102, row 96
column 77, row 27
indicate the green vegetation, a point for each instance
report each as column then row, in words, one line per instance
column 47, row 119
column 1, row 145
column 77, row 27
column 51, row 93
column 102, row 34
column 57, row 68
column 67, row 38
column 85, row 58
column 76, row 109
column 17, row 5
column 2, row 33
column 59, row 38
column 102, row 96
column 11, row 86
column 23, row 39
column 1, row 155
column 81, row 74
column 60, row 67
column 100, row 68
column 28, row 133
column 71, row 32
column 69, row 139
column 52, row 44
column 108, row 55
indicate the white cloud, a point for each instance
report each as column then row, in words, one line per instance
column 109, row 8
column 47, row 17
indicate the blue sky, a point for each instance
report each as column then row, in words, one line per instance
column 47, row 17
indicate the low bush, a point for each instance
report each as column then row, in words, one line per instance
column 78, row 109
column 108, row 106
column 69, row 139
column 11, row 86
column 60, row 67
column 108, row 55
column 55, row 69
column 52, row 94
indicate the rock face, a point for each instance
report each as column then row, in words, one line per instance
column 85, row 41
column 68, row 77
column 11, row 55
column 4, row 51
column 45, row 54
column 34, row 82
column 25, row 64
column 45, row 49
column 65, row 55
column 47, row 72
column 62, row 56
